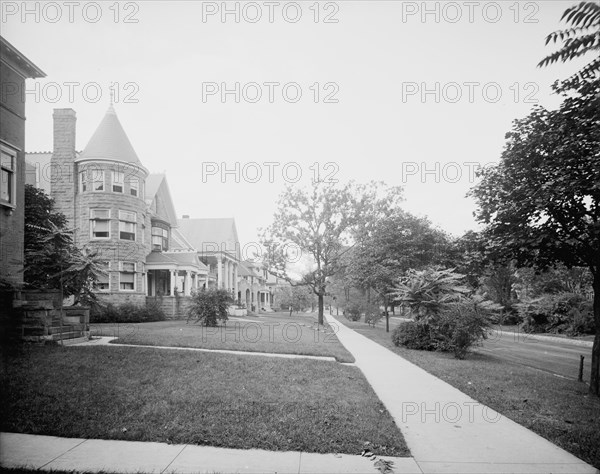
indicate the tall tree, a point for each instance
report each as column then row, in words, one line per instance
column 541, row 203
column 320, row 222
column 391, row 246
column 581, row 38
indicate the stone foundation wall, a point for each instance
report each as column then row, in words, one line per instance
column 174, row 308
column 117, row 299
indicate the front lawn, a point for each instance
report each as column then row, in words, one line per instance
column 268, row 332
column 558, row 409
column 225, row 400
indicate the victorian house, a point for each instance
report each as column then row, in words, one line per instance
column 125, row 213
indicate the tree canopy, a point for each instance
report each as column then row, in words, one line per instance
column 321, row 223
column 541, row 203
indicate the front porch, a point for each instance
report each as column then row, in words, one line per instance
column 174, row 274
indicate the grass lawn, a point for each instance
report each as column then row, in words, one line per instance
column 268, row 332
column 560, row 410
column 197, row 398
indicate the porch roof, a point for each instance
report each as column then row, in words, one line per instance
column 176, row 259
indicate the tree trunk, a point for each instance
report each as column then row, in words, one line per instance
column 595, row 376
column 321, row 309
column 387, row 314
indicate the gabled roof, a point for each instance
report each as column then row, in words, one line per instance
column 110, row 142
column 158, row 197
column 208, row 235
column 243, row 270
column 179, row 243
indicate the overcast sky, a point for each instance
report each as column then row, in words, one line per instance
column 411, row 93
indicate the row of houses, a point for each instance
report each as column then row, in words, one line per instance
column 123, row 212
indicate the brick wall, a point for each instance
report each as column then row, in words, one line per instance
column 12, row 135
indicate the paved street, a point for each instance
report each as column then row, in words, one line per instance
column 560, row 358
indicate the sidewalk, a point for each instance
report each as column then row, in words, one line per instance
column 445, row 430
column 106, row 341
column 49, row 453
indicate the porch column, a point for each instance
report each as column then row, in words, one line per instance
column 235, row 282
column 186, row 283
column 226, row 274
column 219, row 271
column 257, row 301
column 172, row 282
column 206, row 281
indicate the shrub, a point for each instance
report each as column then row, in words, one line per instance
column 209, row 306
column 352, row 312
column 457, row 328
column 413, row 335
column 460, row 327
column 126, row 313
column 372, row 314
column 568, row 313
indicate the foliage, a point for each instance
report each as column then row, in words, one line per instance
column 299, row 298
column 445, row 319
column 319, row 222
column 392, row 245
column 426, row 292
column 531, row 283
column 209, row 306
column 580, row 39
column 462, row 325
column 52, row 260
column 541, row 203
column 568, row 313
column 126, row 313
column 372, row 315
column 458, row 327
column 413, row 335
column 353, row 311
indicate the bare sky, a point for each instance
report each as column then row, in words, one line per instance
column 411, row 93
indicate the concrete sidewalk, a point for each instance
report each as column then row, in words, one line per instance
column 106, row 341
column 445, row 430
column 47, row 453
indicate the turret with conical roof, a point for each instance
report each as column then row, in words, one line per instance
column 110, row 143
column 107, row 203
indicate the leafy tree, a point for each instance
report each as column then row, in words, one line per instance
column 541, row 203
column 320, row 222
column 298, row 297
column 581, row 38
column 209, row 306
column 52, row 260
column 391, row 246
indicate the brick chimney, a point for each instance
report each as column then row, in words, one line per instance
column 62, row 165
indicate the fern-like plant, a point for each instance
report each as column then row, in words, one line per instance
column 581, row 38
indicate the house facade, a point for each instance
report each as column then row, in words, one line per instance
column 15, row 68
column 126, row 215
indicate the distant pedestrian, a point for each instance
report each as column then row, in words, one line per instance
column 290, row 311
